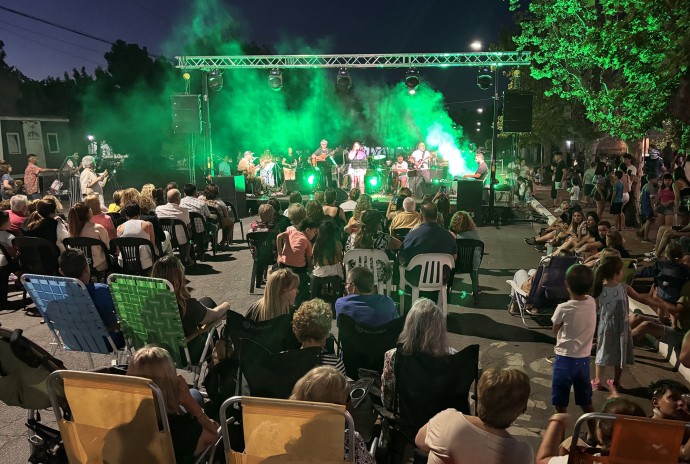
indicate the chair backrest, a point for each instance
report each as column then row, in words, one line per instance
column 36, row 255
column 69, row 312
column 198, row 225
column 365, row 347
column 288, row 431
column 130, row 251
column 148, row 313
column 432, row 264
column 171, row 226
column 233, row 210
column 466, row 251
column 636, row 440
column 273, row 375
column 86, row 246
column 426, row 385
column 548, row 287
column 262, row 246
column 114, row 216
column 401, row 232
column 371, row 259
column 111, row 418
column 275, row 334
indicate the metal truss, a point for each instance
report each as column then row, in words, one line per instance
column 404, row 60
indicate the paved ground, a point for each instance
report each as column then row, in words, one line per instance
column 503, row 340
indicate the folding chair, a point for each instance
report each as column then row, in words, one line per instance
column 262, row 246
column 465, row 263
column 635, row 440
column 426, row 385
column 70, row 314
column 431, row 278
column 372, row 260
column 110, row 418
column 86, row 245
column 287, row 431
column 275, row 334
column 149, row 313
column 364, row 347
column 130, row 251
column 274, row 375
column 171, row 226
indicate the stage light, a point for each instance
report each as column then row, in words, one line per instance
column 484, row 78
column 215, row 80
column 476, row 45
column 412, row 80
column 374, row 181
column 480, row 110
column 275, row 79
column 186, row 76
column 91, row 138
column 479, row 123
column 310, row 180
column 343, row 81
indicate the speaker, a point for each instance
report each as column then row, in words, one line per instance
column 232, row 189
column 289, row 186
column 517, row 111
column 470, row 198
column 186, row 114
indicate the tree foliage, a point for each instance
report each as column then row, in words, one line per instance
column 622, row 60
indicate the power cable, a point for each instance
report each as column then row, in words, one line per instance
column 51, row 37
column 52, row 48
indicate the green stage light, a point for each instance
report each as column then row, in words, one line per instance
column 435, row 181
column 374, row 181
column 310, row 179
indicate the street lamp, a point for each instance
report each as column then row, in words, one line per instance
column 476, row 45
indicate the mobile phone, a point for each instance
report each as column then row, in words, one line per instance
column 394, row 203
column 443, row 189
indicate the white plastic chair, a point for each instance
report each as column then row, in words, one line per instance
column 369, row 259
column 430, row 278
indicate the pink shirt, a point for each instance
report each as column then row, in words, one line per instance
column 107, row 223
column 296, row 249
column 31, row 178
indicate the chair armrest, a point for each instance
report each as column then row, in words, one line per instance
column 516, row 288
column 206, row 328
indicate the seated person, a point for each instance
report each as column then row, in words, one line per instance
column 325, row 384
column 407, row 218
column 80, row 225
column 73, row 264
column 355, row 222
column 614, row 241
column 46, row 224
column 280, row 220
column 134, row 226
column 593, row 242
column 451, row 436
column 328, row 251
column 560, row 224
column 351, row 202
column 330, row 209
column 278, row 297
column 296, row 213
column 99, row 217
column 669, row 276
column 679, row 313
column 311, row 325
column 294, row 199
column 6, row 268
column 226, row 219
column 193, row 313
column 668, row 401
column 371, row 237
column 190, row 428
column 266, row 221
column 361, row 303
column 115, row 206
column 295, row 252
column 18, row 213
column 173, row 210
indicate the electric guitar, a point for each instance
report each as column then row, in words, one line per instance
column 419, row 163
column 323, row 157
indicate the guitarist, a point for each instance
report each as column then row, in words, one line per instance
column 247, row 167
column 289, row 165
column 420, row 160
column 320, row 159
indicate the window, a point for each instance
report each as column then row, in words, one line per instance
column 53, row 145
column 13, row 147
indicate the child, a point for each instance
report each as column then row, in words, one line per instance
column 115, row 207
column 574, row 191
column 574, row 323
column 614, row 340
column 617, row 199
column 647, row 201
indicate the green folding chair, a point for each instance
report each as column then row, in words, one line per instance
column 149, row 314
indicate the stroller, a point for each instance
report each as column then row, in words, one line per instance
column 24, row 367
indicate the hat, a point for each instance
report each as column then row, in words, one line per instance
column 248, row 153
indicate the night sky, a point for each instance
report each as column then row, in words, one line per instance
column 356, row 26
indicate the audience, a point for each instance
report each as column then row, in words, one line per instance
column 173, row 210
column 99, row 217
column 46, row 224
column 349, row 205
column 281, row 221
column 328, row 251
column 192, row 203
column 314, row 212
column 226, row 219
column 6, row 267
column 330, row 209
column 294, row 199
column 18, row 213
column 354, row 224
column 115, row 206
column 296, row 214
column 407, row 218
column 278, row 298
column 361, row 303
column 134, row 226
column 80, row 225
column 311, row 325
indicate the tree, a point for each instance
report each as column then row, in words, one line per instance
column 622, row 60
column 10, row 80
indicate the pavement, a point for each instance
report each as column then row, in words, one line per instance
column 503, row 339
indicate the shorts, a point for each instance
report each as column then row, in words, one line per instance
column 616, row 208
column 589, row 188
column 571, row 372
column 597, row 195
column 558, row 185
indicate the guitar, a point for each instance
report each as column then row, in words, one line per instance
column 419, row 163
column 323, row 157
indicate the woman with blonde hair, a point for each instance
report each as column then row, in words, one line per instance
column 462, row 226
column 99, row 217
column 45, row 223
column 190, row 428
column 279, row 296
column 80, row 225
column 354, row 223
column 128, row 195
column 311, row 325
column 325, row 384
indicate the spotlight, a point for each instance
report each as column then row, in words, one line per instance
column 275, row 79
column 484, row 78
column 476, row 45
column 412, row 80
column 343, row 81
column 311, row 179
column 372, row 182
column 215, row 80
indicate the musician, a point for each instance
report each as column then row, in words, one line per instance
column 357, row 153
column 320, row 159
column 399, row 171
column 247, row 167
column 224, row 168
column 420, row 160
column 289, row 165
column 266, row 170
column 31, row 177
column 482, row 169
column 92, row 183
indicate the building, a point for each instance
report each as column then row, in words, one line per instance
column 46, row 137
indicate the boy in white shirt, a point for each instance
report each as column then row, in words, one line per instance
column 574, row 191
column 574, row 323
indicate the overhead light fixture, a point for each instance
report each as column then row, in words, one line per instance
column 343, row 81
column 484, row 78
column 480, row 110
column 412, row 80
column 476, row 45
column 215, row 80
column 275, row 79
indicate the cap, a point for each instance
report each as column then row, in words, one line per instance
column 248, row 153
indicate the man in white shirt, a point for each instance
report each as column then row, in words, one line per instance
column 421, row 160
column 351, row 202
column 399, row 170
column 173, row 210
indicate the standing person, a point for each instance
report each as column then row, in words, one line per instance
column 667, row 156
column 654, row 164
column 666, row 201
column 482, row 171
column 224, row 168
column 420, row 160
column 92, row 183
column 31, row 177
column 357, row 157
column 289, row 163
column 647, row 201
column 321, row 158
column 681, row 190
column 574, row 192
column 574, row 323
column 617, row 199
column 614, row 339
column 599, row 180
column 560, row 174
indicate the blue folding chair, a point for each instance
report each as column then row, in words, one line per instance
column 70, row 314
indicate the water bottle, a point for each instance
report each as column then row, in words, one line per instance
column 549, row 248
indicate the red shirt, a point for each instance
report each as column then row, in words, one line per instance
column 31, row 178
column 16, row 223
column 296, row 249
